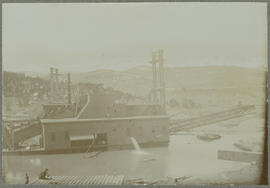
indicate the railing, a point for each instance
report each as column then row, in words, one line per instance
column 81, row 104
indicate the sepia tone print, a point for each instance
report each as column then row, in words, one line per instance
column 134, row 93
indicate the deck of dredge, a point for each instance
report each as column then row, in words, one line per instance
column 81, row 180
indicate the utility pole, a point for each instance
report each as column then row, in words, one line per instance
column 56, row 81
column 51, row 84
column 69, row 90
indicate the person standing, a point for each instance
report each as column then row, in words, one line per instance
column 26, row 179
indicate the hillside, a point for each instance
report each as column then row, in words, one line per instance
column 138, row 80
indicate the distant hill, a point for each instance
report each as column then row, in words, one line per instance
column 138, row 80
column 36, row 74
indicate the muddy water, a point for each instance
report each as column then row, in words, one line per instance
column 185, row 156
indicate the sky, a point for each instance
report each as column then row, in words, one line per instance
column 89, row 36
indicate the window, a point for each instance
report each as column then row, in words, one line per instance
column 102, row 138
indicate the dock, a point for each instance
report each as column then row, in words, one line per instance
column 81, row 180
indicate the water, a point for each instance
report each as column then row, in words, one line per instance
column 185, row 156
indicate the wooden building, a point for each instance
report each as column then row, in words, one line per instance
column 80, row 134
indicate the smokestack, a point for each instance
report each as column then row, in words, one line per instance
column 69, row 90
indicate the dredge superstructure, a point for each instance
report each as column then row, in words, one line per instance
column 96, row 120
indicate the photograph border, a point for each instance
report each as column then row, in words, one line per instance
column 265, row 178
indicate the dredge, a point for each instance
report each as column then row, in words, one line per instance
column 96, row 121
column 93, row 118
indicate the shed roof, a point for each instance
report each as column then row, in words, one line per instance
column 70, row 120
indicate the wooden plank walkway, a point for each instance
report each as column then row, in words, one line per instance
column 81, row 180
column 183, row 125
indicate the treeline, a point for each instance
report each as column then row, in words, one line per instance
column 25, row 87
column 22, row 86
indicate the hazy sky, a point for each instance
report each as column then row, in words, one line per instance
column 89, row 36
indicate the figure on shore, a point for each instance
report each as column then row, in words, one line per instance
column 44, row 175
column 26, row 178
